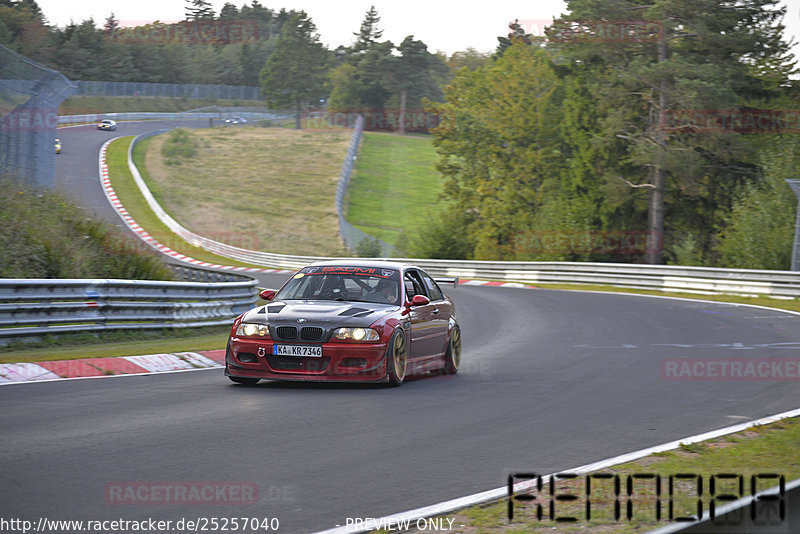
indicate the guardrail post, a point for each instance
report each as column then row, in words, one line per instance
column 795, row 185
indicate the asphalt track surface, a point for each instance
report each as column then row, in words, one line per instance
column 550, row 380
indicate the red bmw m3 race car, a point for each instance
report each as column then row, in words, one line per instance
column 347, row 321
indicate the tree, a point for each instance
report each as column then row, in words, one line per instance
column 759, row 230
column 347, row 89
column 294, row 75
column 228, row 12
column 699, row 56
column 413, row 75
column 499, row 146
column 469, row 58
column 369, row 34
column 111, row 25
column 198, row 10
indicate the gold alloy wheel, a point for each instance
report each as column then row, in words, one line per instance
column 399, row 356
column 455, row 348
column 396, row 358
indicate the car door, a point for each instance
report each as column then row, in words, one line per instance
column 423, row 319
column 442, row 311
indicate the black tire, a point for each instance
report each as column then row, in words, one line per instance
column 397, row 358
column 244, row 380
column 452, row 358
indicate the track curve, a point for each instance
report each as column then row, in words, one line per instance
column 550, row 380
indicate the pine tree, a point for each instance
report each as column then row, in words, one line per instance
column 369, row 34
column 701, row 55
column 198, row 10
column 294, row 75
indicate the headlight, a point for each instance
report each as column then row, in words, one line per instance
column 356, row 334
column 252, row 330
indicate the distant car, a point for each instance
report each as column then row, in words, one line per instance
column 58, row 146
column 107, row 124
column 235, row 120
column 347, row 321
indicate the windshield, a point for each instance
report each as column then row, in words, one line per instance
column 345, row 283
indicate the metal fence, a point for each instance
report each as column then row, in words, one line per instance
column 172, row 90
column 795, row 185
column 33, row 308
column 351, row 235
column 30, row 94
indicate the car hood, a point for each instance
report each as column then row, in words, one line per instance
column 318, row 313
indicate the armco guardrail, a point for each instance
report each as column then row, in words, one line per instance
column 187, row 115
column 31, row 308
column 659, row 277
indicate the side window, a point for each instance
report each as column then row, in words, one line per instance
column 433, row 289
column 414, row 285
column 410, row 290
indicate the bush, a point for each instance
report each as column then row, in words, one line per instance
column 759, row 231
column 179, row 144
column 444, row 236
column 45, row 236
column 369, row 248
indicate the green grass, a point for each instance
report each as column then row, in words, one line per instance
column 762, row 449
column 119, row 343
column 133, row 201
column 394, row 185
column 268, row 189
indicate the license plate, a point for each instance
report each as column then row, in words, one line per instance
column 297, row 350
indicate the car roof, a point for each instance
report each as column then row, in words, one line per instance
column 364, row 263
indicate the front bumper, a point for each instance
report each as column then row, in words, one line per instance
column 340, row 362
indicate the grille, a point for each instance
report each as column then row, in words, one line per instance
column 298, row 364
column 287, row 332
column 311, row 333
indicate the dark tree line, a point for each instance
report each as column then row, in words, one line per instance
column 85, row 51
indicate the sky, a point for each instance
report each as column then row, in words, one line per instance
column 444, row 25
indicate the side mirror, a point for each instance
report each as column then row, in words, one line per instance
column 267, row 294
column 416, row 300
column 420, row 300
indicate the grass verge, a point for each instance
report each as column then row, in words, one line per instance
column 119, row 343
column 133, row 201
column 756, row 451
column 270, row 189
column 394, row 186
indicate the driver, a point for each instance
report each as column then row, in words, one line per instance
column 387, row 291
column 331, row 287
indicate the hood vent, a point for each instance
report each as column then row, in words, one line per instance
column 354, row 312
